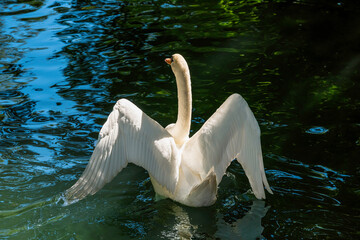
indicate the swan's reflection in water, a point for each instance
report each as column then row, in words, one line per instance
column 248, row 227
column 201, row 222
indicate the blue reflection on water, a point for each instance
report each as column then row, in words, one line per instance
column 317, row 130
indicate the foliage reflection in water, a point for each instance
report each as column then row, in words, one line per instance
column 63, row 64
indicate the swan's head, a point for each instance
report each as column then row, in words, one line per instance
column 178, row 64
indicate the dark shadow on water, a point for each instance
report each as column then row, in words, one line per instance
column 181, row 222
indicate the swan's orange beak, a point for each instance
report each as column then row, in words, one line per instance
column 168, row 61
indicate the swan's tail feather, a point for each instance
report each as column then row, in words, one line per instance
column 204, row 194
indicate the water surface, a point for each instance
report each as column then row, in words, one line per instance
column 63, row 65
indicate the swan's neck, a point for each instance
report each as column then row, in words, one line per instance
column 182, row 127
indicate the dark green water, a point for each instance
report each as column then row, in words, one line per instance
column 63, row 64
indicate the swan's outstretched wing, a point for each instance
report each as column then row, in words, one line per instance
column 231, row 132
column 128, row 136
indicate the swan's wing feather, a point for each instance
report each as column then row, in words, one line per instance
column 231, row 132
column 128, row 136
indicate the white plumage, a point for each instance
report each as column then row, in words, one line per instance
column 187, row 170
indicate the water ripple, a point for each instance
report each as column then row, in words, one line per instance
column 9, row 8
column 317, row 130
column 324, row 183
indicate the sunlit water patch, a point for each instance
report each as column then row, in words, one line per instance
column 317, row 130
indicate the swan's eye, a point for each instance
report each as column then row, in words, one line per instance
column 172, row 59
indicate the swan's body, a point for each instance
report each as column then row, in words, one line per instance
column 187, row 170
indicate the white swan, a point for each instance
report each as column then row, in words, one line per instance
column 187, row 170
